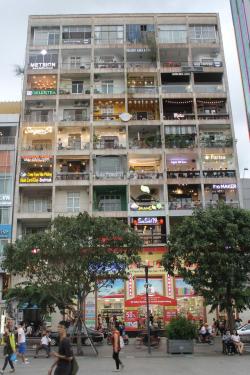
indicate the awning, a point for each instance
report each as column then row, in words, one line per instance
column 155, row 299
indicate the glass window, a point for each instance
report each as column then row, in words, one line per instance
column 77, row 87
column 108, row 34
column 139, row 33
column 108, row 87
column 73, row 202
column 2, row 244
column 5, row 185
column 203, row 33
column 45, row 36
column 77, row 33
column 39, row 205
column 109, row 202
column 172, row 34
column 4, row 215
column 108, row 164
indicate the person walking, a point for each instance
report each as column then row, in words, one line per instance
column 116, row 348
column 44, row 344
column 64, row 356
column 9, row 350
column 21, row 340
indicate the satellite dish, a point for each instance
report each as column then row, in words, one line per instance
column 125, row 116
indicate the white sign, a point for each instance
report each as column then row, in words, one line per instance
column 38, row 131
column 5, row 199
column 43, row 65
column 215, row 157
column 178, row 162
column 224, row 186
column 125, row 116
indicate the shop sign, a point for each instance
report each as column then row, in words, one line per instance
column 5, row 231
column 43, row 65
column 35, row 177
column 153, row 300
column 150, row 207
column 140, row 50
column 169, row 314
column 41, row 92
column 169, row 285
column 90, row 311
column 224, row 186
column 125, row 116
column 174, row 162
column 36, row 159
column 5, row 200
column 147, row 220
column 215, row 157
column 38, row 131
column 130, row 285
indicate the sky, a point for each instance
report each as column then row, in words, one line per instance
column 13, row 28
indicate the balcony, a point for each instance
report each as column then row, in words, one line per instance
column 37, row 117
column 106, row 145
column 225, row 142
column 232, row 203
column 39, row 147
column 209, row 89
column 109, row 65
column 62, row 148
column 193, row 65
column 152, row 239
column 219, row 174
column 144, row 109
column 75, row 116
column 145, row 143
column 212, row 109
column 143, row 90
column 109, row 91
column 180, row 141
column 178, row 109
column 35, row 208
column 139, row 66
column 213, row 116
column 110, row 175
column 7, row 140
column 72, row 176
column 183, row 174
column 181, row 205
column 75, row 67
column 172, row 89
column 144, row 175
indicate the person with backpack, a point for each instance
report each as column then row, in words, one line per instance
column 8, row 350
column 117, row 343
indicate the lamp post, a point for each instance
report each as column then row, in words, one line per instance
column 146, row 267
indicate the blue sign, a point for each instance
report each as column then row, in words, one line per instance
column 5, row 231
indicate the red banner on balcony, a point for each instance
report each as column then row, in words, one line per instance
column 153, row 300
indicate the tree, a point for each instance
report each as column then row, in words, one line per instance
column 211, row 251
column 76, row 254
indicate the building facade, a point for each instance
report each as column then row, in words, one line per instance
column 9, row 123
column 126, row 116
column 241, row 19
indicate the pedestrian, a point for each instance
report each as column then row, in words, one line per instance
column 44, row 344
column 237, row 343
column 116, row 347
column 21, row 340
column 64, row 356
column 9, row 350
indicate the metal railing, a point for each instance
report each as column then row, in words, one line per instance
column 65, row 209
column 108, row 145
column 37, row 147
column 219, row 174
column 76, row 66
column 40, row 118
column 143, row 90
column 77, row 41
column 111, row 175
column 183, row 174
column 72, row 176
column 109, row 65
column 75, row 117
column 138, row 65
column 76, row 146
column 204, row 40
column 227, row 142
column 109, row 90
column 231, row 203
column 109, row 41
column 37, row 209
column 180, row 143
column 146, row 116
column 154, row 238
column 213, row 116
column 77, row 91
column 192, row 64
column 108, row 206
column 179, row 116
column 208, row 88
column 134, row 175
column 7, row 140
column 144, row 143
column 107, row 117
column 184, row 205
column 175, row 88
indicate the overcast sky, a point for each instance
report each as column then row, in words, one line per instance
column 13, row 27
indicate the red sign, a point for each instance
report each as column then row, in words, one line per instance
column 131, row 316
column 153, row 300
column 169, row 314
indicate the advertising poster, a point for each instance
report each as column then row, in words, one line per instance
column 113, row 290
column 182, row 289
column 155, row 286
column 131, row 319
column 90, row 311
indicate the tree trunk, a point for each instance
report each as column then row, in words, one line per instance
column 230, row 318
column 80, row 305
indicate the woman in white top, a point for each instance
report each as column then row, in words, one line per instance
column 237, row 343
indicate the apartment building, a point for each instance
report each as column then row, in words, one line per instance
column 126, row 116
column 9, row 122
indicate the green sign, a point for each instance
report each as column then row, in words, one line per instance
column 41, row 92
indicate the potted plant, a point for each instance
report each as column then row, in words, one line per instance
column 180, row 335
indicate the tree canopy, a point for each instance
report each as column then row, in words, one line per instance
column 211, row 251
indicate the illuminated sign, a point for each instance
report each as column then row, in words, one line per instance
column 43, row 65
column 178, row 162
column 36, row 159
column 215, row 157
column 147, row 220
column 224, row 186
column 35, row 177
column 138, row 50
column 41, row 92
column 150, row 207
column 5, row 200
column 38, row 131
column 125, row 116
column 5, row 231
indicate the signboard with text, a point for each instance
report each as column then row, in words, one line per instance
column 5, row 231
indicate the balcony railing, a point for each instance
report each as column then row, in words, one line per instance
column 204, row 40
column 108, row 206
column 110, row 175
column 77, row 91
column 134, row 175
column 77, row 41
column 110, row 90
column 208, row 88
column 107, row 117
column 40, row 118
column 154, row 238
column 7, row 140
column 193, row 64
column 213, row 116
column 36, row 209
column 109, row 65
column 109, row 41
column 177, row 116
column 184, row 205
column 72, row 175
column 219, row 174
column 141, row 65
column 76, row 146
column 231, row 203
column 183, row 174
column 144, row 143
column 37, row 147
column 180, row 142
column 75, row 117
column 108, row 145
column 143, row 90
column 175, row 89
column 207, row 143
column 76, row 66
column 143, row 115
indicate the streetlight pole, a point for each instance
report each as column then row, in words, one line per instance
column 147, row 302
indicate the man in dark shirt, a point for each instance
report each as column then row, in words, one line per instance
column 65, row 355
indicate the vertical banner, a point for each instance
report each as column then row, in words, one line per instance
column 90, row 311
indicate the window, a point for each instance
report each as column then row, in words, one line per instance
column 108, row 165
column 73, row 202
column 109, row 202
column 4, row 215
column 74, row 34
column 46, row 36
column 203, row 33
column 108, row 34
column 5, row 185
column 108, row 110
column 139, row 33
column 3, row 243
column 77, row 87
column 75, row 115
column 75, row 61
column 108, row 87
column 39, row 205
column 172, row 34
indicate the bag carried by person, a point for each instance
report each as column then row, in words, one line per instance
column 74, row 366
column 13, row 357
column 121, row 342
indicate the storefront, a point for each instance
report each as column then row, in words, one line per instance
column 151, row 229
column 36, row 169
